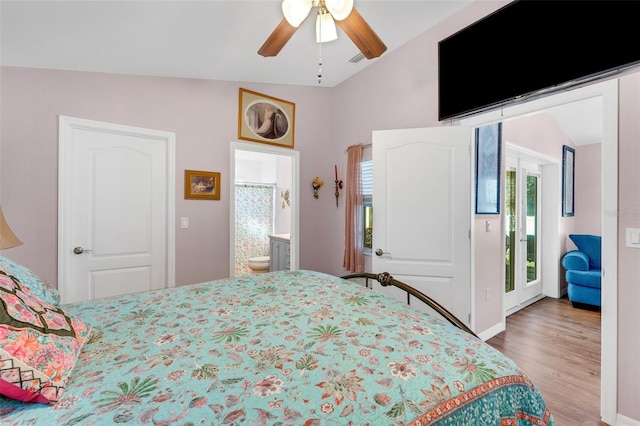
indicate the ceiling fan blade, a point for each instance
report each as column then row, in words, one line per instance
column 278, row 38
column 362, row 35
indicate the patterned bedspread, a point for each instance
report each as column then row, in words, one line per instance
column 283, row 348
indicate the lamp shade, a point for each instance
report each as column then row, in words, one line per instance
column 325, row 28
column 7, row 238
column 295, row 11
column 339, row 9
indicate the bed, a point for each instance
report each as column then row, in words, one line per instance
column 281, row 348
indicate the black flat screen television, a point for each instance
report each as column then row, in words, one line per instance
column 530, row 47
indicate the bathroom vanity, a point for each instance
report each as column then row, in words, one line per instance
column 279, row 247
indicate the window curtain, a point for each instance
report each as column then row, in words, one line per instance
column 353, row 238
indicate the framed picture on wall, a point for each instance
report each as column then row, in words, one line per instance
column 200, row 185
column 488, row 169
column 568, row 175
column 265, row 119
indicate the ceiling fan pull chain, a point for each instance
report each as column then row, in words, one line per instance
column 319, row 63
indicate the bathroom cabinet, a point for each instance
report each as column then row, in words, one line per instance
column 280, row 247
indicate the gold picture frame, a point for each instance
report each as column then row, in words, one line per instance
column 201, row 185
column 265, row 119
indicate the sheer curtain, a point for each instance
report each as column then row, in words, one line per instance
column 353, row 238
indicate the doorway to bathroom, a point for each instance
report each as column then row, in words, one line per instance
column 263, row 194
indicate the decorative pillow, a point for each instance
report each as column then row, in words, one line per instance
column 591, row 245
column 42, row 289
column 39, row 344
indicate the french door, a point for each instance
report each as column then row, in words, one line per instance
column 523, row 278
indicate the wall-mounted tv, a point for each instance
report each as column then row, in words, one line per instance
column 530, row 47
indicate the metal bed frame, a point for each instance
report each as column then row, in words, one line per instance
column 385, row 279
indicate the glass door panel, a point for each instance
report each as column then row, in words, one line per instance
column 510, row 231
column 532, row 228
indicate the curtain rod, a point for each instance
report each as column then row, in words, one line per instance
column 366, row 145
column 255, row 183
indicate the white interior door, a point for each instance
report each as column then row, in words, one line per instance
column 422, row 204
column 116, row 192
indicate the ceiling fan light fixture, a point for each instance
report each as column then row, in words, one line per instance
column 325, row 28
column 295, row 11
column 339, row 9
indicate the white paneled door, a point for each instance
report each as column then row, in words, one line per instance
column 422, row 212
column 116, row 192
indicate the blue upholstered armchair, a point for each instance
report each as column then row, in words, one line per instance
column 584, row 271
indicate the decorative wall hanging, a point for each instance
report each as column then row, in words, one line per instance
column 316, row 184
column 339, row 184
column 286, row 198
column 568, row 175
column 265, row 119
column 488, row 169
column 201, row 185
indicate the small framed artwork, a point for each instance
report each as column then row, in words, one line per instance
column 265, row 119
column 200, row 185
column 568, row 175
column 488, row 169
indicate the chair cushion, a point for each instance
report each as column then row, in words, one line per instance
column 591, row 278
column 591, row 245
column 575, row 260
column 584, row 295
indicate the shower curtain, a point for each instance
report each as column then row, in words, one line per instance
column 253, row 222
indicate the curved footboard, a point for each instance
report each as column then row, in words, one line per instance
column 385, row 279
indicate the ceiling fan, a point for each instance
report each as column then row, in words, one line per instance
column 329, row 11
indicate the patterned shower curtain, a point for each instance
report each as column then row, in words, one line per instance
column 254, row 223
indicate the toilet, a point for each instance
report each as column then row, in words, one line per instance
column 259, row 264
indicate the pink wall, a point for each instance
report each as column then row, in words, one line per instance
column 628, row 258
column 588, row 189
column 203, row 114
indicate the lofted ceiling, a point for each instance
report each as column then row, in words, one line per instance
column 213, row 39
column 208, row 39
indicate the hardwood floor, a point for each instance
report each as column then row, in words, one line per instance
column 558, row 347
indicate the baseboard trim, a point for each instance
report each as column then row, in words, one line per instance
column 493, row 331
column 626, row 421
column 525, row 304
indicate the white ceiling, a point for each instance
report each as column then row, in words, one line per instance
column 210, row 39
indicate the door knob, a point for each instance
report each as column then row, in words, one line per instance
column 379, row 252
column 80, row 250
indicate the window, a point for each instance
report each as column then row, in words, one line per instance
column 366, row 172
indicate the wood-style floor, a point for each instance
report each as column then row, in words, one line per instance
column 558, row 347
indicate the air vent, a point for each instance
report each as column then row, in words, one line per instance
column 357, row 58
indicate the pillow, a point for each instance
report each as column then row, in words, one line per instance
column 39, row 344
column 42, row 289
column 591, row 245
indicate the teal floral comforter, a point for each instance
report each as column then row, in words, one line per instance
column 283, row 348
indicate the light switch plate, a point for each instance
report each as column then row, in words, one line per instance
column 633, row 237
column 184, row 222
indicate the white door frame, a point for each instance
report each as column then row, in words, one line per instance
column 295, row 198
column 608, row 92
column 65, row 134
